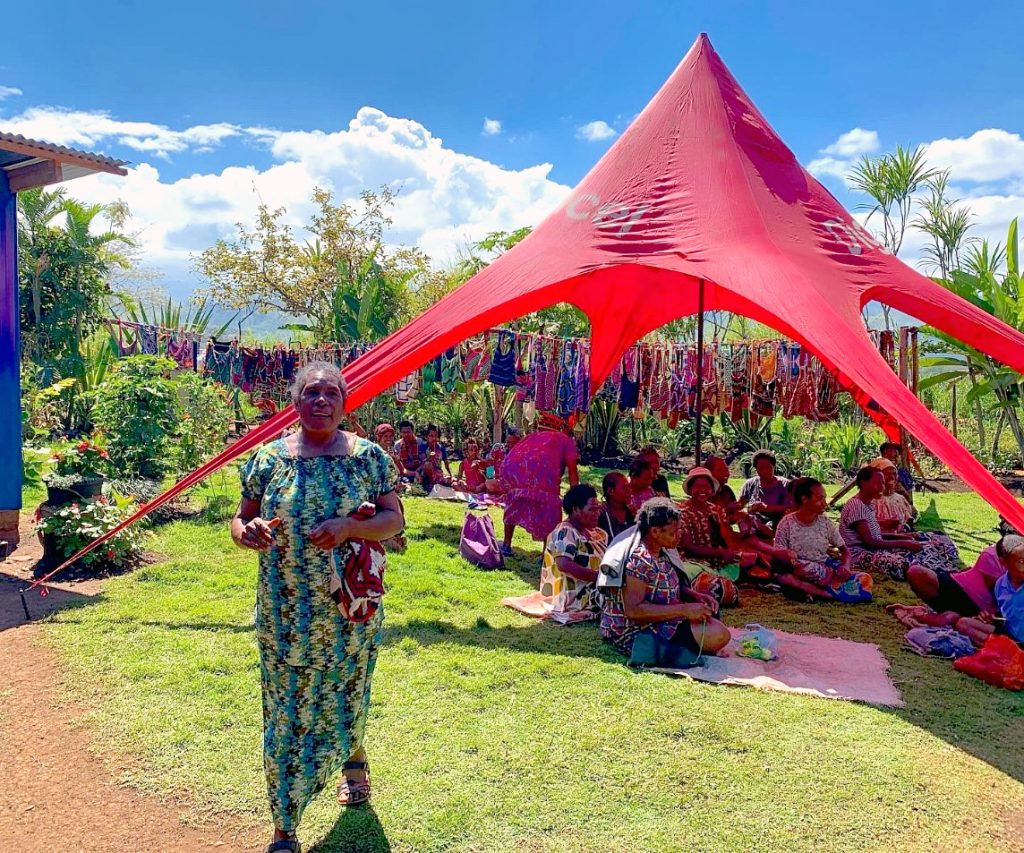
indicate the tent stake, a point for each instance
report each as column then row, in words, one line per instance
column 699, row 423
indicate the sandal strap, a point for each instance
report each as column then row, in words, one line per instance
column 285, row 845
column 354, row 765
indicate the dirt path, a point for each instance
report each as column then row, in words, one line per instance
column 56, row 796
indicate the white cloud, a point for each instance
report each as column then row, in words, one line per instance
column 986, row 155
column 88, row 129
column 492, row 127
column 9, row 92
column 445, row 198
column 853, row 143
column 829, row 166
column 595, row 131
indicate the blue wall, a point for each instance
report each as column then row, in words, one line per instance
column 10, row 380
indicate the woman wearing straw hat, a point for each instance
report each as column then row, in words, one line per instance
column 704, row 531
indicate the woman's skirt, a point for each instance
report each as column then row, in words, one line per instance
column 538, row 513
column 314, row 720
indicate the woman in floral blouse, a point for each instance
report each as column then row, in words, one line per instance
column 297, row 496
column 655, row 596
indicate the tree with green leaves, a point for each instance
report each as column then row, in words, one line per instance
column 991, row 280
column 341, row 285
column 64, row 264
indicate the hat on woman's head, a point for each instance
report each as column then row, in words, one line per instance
column 696, row 474
column 383, row 428
column 881, row 464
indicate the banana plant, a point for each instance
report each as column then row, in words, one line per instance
column 991, row 280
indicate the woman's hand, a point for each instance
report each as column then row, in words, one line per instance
column 328, row 535
column 696, row 611
column 258, row 534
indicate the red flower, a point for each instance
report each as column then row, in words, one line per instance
column 104, row 454
column 57, row 457
column 111, row 554
column 83, row 445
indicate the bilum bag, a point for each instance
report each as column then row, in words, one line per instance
column 479, row 544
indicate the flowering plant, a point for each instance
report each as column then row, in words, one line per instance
column 84, row 461
column 76, row 525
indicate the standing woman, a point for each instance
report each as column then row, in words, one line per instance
column 533, row 472
column 316, row 665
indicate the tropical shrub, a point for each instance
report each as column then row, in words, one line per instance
column 76, row 525
column 203, row 420
column 83, row 461
column 136, row 412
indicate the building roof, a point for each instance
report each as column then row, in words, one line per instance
column 30, row 163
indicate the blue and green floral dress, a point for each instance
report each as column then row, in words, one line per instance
column 316, row 666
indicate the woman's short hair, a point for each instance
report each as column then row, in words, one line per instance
column 331, row 372
column 865, row 474
column 609, row 481
column 657, row 512
column 660, row 485
column 802, row 489
column 763, row 454
column 429, row 428
column 638, row 466
column 1008, row 545
column 577, row 498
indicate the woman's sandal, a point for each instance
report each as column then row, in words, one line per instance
column 285, row 845
column 352, row 792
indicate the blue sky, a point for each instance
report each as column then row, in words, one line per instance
column 211, row 100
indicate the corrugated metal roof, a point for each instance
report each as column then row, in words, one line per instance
column 31, row 148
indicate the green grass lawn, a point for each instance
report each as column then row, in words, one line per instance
column 492, row 732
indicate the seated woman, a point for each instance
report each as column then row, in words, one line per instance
column 1009, row 596
column 705, row 535
column 765, row 495
column 616, row 515
column 656, row 597
column 435, row 469
column 641, row 475
column 472, row 475
column 751, row 534
column 572, row 554
column 951, row 596
column 896, row 515
column 870, row 549
column 810, row 542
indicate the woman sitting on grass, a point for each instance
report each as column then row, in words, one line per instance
column 951, row 596
column 641, row 476
column 616, row 515
column 315, row 664
column 572, row 554
column 472, row 476
column 765, row 495
column 656, row 597
column 435, row 470
column 810, row 542
column 870, row 548
column 896, row 515
column 704, row 531
column 1009, row 595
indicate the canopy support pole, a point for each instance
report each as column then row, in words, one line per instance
column 699, row 422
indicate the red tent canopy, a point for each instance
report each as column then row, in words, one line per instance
column 699, row 187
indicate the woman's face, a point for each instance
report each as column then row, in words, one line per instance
column 701, row 490
column 472, row 450
column 666, row 536
column 432, row 438
column 619, row 490
column 321, row 405
column 386, row 438
column 816, row 501
column 643, row 480
column 765, row 468
column 889, row 474
column 588, row 515
column 875, row 487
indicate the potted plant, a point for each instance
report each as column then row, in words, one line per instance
column 78, row 473
column 66, row 529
